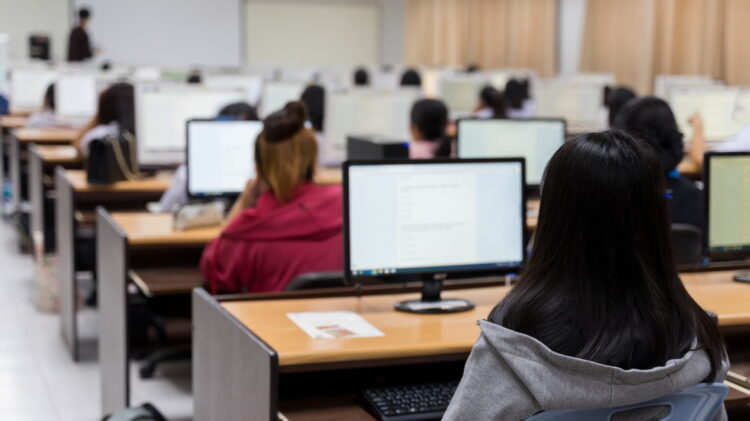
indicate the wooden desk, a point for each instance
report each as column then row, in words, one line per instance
column 42, row 161
column 143, row 248
column 690, row 169
column 328, row 176
column 13, row 121
column 74, row 194
column 253, row 346
column 20, row 139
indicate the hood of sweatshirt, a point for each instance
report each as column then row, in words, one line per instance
column 559, row 381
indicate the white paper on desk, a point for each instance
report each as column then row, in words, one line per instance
column 334, row 324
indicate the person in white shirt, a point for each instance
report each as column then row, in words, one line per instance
column 115, row 113
column 518, row 103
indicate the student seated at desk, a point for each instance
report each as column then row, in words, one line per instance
column 115, row 113
column 283, row 225
column 46, row 118
column 176, row 195
column 740, row 142
column 314, row 98
column 429, row 124
column 519, row 105
column 491, row 104
column 599, row 317
column 652, row 120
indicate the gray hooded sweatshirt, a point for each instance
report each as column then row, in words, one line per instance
column 511, row 376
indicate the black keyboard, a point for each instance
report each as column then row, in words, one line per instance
column 410, row 403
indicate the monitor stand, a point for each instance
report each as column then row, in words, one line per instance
column 431, row 303
column 743, row 276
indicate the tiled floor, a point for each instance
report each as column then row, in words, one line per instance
column 38, row 380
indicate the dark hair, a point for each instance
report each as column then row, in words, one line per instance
column 49, row 97
column 314, row 97
column 615, row 99
column 84, row 13
column 361, row 77
column 494, row 99
column 430, row 117
column 652, row 120
column 239, row 111
column 411, row 78
column 117, row 103
column 601, row 284
column 195, row 77
column 472, row 68
column 516, row 91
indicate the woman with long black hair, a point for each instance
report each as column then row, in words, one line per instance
column 599, row 317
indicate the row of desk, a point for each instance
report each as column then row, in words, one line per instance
column 247, row 353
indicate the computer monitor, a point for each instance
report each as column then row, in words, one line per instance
column 252, row 85
column 664, row 84
column 741, row 113
column 432, row 220
column 716, row 105
column 536, row 140
column 277, row 94
column 461, row 93
column 162, row 112
column 375, row 148
column 579, row 104
column 27, row 88
column 76, row 96
column 4, row 62
column 365, row 112
column 220, row 156
column 727, row 185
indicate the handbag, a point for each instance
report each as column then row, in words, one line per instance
column 112, row 159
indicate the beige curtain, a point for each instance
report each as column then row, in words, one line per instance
column 491, row 33
column 639, row 39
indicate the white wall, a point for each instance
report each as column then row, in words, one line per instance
column 571, row 22
column 392, row 31
column 313, row 32
column 21, row 18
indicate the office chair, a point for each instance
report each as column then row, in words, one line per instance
column 687, row 244
column 316, row 280
column 696, row 403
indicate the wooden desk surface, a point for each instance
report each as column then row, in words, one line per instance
column 64, row 136
column 155, row 229
column 406, row 335
column 58, row 154
column 689, row 168
column 328, row 176
column 12, row 121
column 412, row 335
column 148, row 185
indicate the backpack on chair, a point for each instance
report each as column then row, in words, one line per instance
column 145, row 412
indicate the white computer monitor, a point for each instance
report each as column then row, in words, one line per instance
column 423, row 218
column 727, row 180
column 581, row 105
column 535, row 140
column 461, row 93
column 27, row 88
column 252, row 85
column 4, row 62
column 716, row 105
column 76, row 96
column 664, row 84
column 365, row 112
column 220, row 156
column 162, row 112
column 277, row 94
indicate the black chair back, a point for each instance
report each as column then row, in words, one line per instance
column 317, row 280
column 687, row 244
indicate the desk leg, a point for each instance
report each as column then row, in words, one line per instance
column 235, row 374
column 15, row 174
column 111, row 277
column 36, row 193
column 65, row 228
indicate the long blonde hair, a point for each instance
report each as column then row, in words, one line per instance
column 286, row 152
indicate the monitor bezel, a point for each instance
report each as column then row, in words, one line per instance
column 532, row 187
column 190, row 194
column 707, row 251
column 420, row 276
